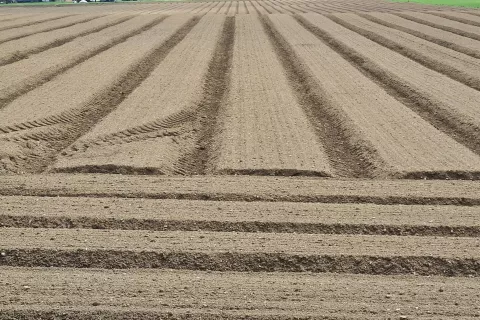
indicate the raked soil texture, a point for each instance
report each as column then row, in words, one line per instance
column 264, row 159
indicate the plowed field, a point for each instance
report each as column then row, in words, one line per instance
column 272, row 159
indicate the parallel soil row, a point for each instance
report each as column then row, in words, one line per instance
column 460, row 16
column 262, row 127
column 248, row 243
column 444, row 38
column 236, row 216
column 246, row 188
column 14, row 34
column 238, row 251
column 159, row 116
column 230, row 7
column 153, row 91
column 22, row 48
column 18, row 21
column 393, row 141
column 434, row 21
column 94, row 88
column 456, row 65
column 448, row 104
column 179, row 294
column 338, row 125
column 27, row 74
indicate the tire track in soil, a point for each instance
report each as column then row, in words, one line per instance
column 33, row 83
column 77, row 122
column 439, row 65
column 20, row 55
column 343, row 156
column 438, row 40
column 86, row 19
column 460, row 32
column 406, row 95
column 194, row 124
column 242, row 262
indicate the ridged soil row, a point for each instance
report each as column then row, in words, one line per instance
column 85, row 294
column 261, row 8
column 447, row 39
column 158, row 129
column 342, row 159
column 447, row 104
column 262, row 129
column 253, row 9
column 246, row 188
column 460, row 17
column 393, row 141
column 242, row 8
column 14, row 34
column 237, row 216
column 28, row 74
column 456, row 65
column 22, row 48
column 240, row 251
column 94, row 88
column 249, row 7
column 456, row 27
column 21, row 21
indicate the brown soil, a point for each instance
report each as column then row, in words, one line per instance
column 201, row 109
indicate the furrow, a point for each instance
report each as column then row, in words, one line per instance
column 93, row 92
column 390, row 141
column 261, row 8
column 267, row 217
column 14, row 34
column 447, row 104
column 253, row 8
column 246, row 188
column 23, row 48
column 262, row 128
column 237, row 251
column 456, row 27
column 19, row 21
column 28, row 74
column 342, row 157
column 460, row 17
column 182, row 109
column 455, row 65
column 74, row 294
column 447, row 39
column 244, row 8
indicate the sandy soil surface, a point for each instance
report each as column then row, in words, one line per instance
column 369, row 107
column 262, row 127
column 139, row 294
column 466, row 30
column 451, row 40
column 158, row 114
column 247, row 188
column 22, row 76
column 371, row 128
column 21, row 48
column 456, row 65
column 46, row 211
column 449, row 97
